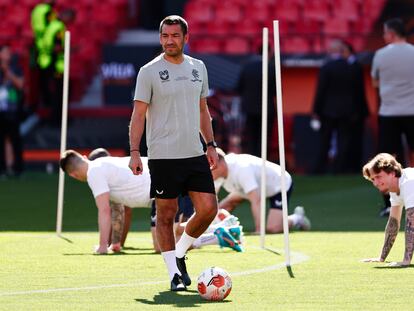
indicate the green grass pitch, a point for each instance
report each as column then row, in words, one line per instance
column 40, row 271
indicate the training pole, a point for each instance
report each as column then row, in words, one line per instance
column 281, row 140
column 265, row 61
column 63, row 132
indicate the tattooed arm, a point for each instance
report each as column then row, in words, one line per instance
column 391, row 231
column 117, row 220
column 409, row 239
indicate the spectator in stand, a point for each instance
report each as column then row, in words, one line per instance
column 51, row 63
column 41, row 16
column 11, row 99
column 339, row 105
column 393, row 73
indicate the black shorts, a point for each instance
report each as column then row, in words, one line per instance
column 276, row 200
column 173, row 177
column 185, row 208
column 390, row 130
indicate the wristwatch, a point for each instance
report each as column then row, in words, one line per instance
column 212, row 144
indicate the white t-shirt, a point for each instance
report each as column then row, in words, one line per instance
column 244, row 175
column 406, row 184
column 112, row 174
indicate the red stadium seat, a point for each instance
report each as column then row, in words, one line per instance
column 304, row 26
column 338, row 27
column 219, row 28
column 237, row 45
column 206, row 45
column 287, row 11
column 258, row 11
column 249, row 28
column 316, row 10
column 228, row 12
column 348, row 10
column 295, row 45
column 200, row 13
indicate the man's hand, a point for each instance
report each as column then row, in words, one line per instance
column 135, row 163
column 212, row 157
column 375, row 259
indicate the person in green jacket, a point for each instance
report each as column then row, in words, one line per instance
column 51, row 62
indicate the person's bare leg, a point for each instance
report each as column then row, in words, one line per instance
column 166, row 210
column 205, row 206
column 275, row 221
column 127, row 224
column 154, row 240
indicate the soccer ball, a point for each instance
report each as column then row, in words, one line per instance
column 214, row 284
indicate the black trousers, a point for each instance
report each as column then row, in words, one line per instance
column 9, row 128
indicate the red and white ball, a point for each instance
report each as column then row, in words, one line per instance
column 214, row 284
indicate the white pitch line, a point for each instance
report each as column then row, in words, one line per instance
column 297, row 258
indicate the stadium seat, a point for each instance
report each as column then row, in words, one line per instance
column 258, row 11
column 228, row 12
column 293, row 45
column 307, row 27
column 336, row 27
column 200, row 13
column 249, row 28
column 348, row 10
column 206, row 45
column 219, row 28
column 237, row 45
column 287, row 11
column 316, row 10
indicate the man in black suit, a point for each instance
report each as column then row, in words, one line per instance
column 340, row 105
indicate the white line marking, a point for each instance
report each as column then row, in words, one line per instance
column 296, row 259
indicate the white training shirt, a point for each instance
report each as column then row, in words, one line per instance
column 112, row 174
column 173, row 93
column 406, row 184
column 244, row 175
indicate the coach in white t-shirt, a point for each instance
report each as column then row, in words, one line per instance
column 240, row 176
column 388, row 176
column 110, row 180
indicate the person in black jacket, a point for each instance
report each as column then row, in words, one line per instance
column 249, row 87
column 340, row 105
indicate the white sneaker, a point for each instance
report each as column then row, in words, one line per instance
column 304, row 222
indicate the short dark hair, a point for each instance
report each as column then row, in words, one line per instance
column 175, row 20
column 382, row 162
column 396, row 25
column 69, row 160
column 98, row 153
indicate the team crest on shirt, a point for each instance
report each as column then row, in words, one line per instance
column 196, row 76
column 164, row 75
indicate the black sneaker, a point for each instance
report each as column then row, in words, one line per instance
column 183, row 269
column 177, row 284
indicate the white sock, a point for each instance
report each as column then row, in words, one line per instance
column 170, row 262
column 296, row 219
column 206, row 239
column 183, row 245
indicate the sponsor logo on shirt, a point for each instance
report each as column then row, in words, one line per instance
column 181, row 78
column 164, row 75
column 196, row 76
